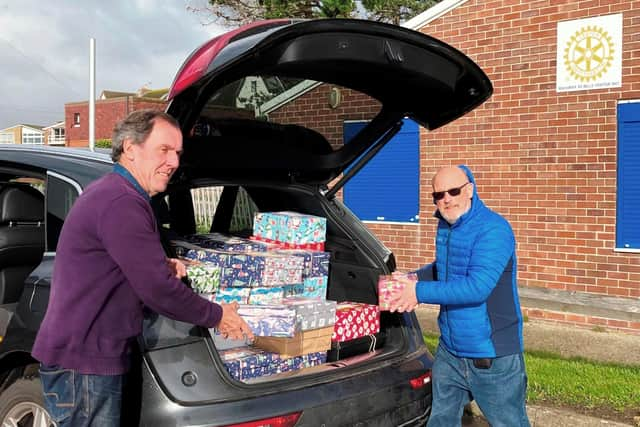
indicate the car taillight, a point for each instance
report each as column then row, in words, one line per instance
column 288, row 420
column 197, row 64
column 420, row 381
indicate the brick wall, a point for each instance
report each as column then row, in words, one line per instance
column 545, row 160
column 107, row 111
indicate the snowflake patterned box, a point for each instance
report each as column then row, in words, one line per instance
column 205, row 277
column 389, row 286
column 290, row 227
column 354, row 320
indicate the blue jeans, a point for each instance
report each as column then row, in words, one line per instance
column 79, row 400
column 500, row 391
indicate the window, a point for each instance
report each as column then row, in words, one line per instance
column 387, row 189
column 30, row 136
column 60, row 197
column 7, row 138
column 206, row 201
column 76, row 119
column 628, row 191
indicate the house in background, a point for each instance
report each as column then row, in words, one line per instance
column 54, row 134
column 22, row 134
column 111, row 106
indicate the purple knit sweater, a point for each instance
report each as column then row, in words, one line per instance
column 109, row 263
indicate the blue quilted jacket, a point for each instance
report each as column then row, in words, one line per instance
column 473, row 279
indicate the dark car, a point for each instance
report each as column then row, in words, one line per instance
column 253, row 105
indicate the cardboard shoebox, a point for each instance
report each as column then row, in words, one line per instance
column 290, row 227
column 303, row 342
column 251, row 268
column 312, row 313
column 389, row 286
column 247, row 362
column 270, row 320
column 354, row 320
column 205, row 277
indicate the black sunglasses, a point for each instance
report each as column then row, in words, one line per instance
column 453, row 192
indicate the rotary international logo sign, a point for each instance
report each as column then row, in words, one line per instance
column 589, row 53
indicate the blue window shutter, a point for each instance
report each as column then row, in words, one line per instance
column 628, row 190
column 388, row 187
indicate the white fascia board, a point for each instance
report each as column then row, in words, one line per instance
column 432, row 13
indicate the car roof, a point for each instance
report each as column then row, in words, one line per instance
column 80, row 165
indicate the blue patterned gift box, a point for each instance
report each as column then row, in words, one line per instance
column 290, row 227
column 247, row 362
column 228, row 295
column 252, row 268
column 274, row 320
column 316, row 263
column 315, row 287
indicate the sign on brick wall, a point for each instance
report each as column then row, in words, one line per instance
column 589, row 53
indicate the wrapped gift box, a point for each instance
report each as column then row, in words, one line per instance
column 266, row 295
column 312, row 313
column 270, row 320
column 232, row 294
column 247, row 363
column 316, row 263
column 354, row 320
column 303, row 342
column 224, row 242
column 315, row 287
column 205, row 277
column 252, row 268
column 389, row 286
column 290, row 227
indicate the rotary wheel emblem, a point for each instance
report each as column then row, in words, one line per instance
column 588, row 54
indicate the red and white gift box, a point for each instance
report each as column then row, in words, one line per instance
column 389, row 287
column 355, row 320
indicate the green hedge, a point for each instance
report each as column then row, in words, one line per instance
column 103, row 143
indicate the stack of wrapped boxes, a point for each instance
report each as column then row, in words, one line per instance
column 279, row 277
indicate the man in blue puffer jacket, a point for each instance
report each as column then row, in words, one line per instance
column 473, row 279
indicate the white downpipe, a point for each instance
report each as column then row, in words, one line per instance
column 92, row 93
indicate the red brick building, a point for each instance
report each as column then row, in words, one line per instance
column 545, row 155
column 109, row 108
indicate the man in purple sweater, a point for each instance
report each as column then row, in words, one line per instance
column 109, row 264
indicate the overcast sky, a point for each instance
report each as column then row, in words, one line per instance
column 44, row 51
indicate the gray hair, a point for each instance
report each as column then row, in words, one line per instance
column 136, row 127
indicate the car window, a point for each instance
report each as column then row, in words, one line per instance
column 319, row 106
column 60, row 197
column 206, row 202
